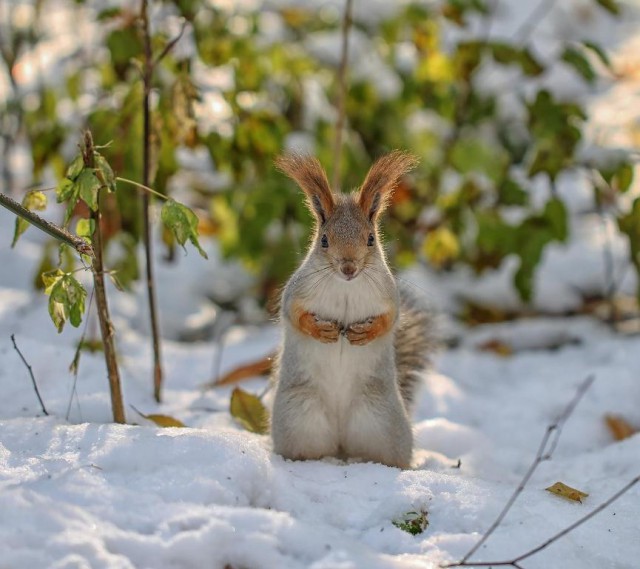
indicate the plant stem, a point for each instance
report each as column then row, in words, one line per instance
column 79, row 244
column 147, row 75
column 142, row 187
column 30, row 370
column 106, row 327
column 342, row 89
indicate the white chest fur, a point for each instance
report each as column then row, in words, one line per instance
column 340, row 370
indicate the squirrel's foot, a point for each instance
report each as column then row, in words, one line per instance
column 361, row 333
column 327, row 331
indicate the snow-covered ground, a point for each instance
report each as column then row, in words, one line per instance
column 83, row 493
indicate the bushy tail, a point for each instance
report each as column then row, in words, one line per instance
column 414, row 344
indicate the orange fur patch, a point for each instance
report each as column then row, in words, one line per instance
column 362, row 333
column 306, row 322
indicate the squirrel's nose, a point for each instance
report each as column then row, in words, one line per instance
column 348, row 269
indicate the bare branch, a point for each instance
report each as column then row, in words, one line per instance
column 342, row 91
column 147, row 75
column 171, row 44
column 515, row 562
column 33, row 379
column 61, row 234
column 580, row 521
column 550, row 442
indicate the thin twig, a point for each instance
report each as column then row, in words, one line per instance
column 533, row 20
column 147, row 76
column 515, row 562
column 611, row 283
column 542, row 455
column 79, row 244
column 342, row 93
column 142, row 187
column 33, row 379
column 171, row 44
column 580, row 521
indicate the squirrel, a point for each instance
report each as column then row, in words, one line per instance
column 354, row 341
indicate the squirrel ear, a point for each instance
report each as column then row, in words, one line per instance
column 382, row 179
column 307, row 172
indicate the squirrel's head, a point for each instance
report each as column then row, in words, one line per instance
column 346, row 235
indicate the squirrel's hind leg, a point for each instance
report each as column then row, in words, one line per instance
column 301, row 429
column 378, row 428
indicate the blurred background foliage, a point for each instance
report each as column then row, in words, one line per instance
column 245, row 82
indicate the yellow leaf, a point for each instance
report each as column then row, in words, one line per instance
column 165, row 421
column 441, row 247
column 567, row 492
column 249, row 411
column 160, row 420
column 619, row 427
column 497, row 347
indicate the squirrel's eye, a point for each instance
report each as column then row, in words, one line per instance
column 324, row 241
column 371, row 240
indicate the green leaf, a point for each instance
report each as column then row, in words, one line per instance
column 579, row 62
column 555, row 213
column 413, row 522
column 249, row 411
column 85, row 228
column 33, row 201
column 600, row 53
column 88, row 187
column 75, row 167
column 66, row 298
column 104, row 172
column 511, row 193
column 611, row 6
column 623, row 177
column 68, row 191
column 629, row 225
column 182, row 222
column 508, row 54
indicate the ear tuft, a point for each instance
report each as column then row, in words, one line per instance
column 308, row 173
column 382, row 179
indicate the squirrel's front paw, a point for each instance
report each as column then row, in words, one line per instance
column 361, row 333
column 327, row 331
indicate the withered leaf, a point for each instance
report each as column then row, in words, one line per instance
column 620, row 429
column 249, row 411
column 567, row 492
column 244, row 371
column 160, row 420
column 497, row 347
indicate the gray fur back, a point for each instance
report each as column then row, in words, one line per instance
column 414, row 343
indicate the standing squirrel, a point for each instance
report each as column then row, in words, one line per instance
column 353, row 340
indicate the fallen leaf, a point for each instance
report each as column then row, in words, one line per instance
column 249, row 411
column 165, row 421
column 245, row 371
column 160, row 420
column 497, row 347
column 567, row 492
column 619, row 427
